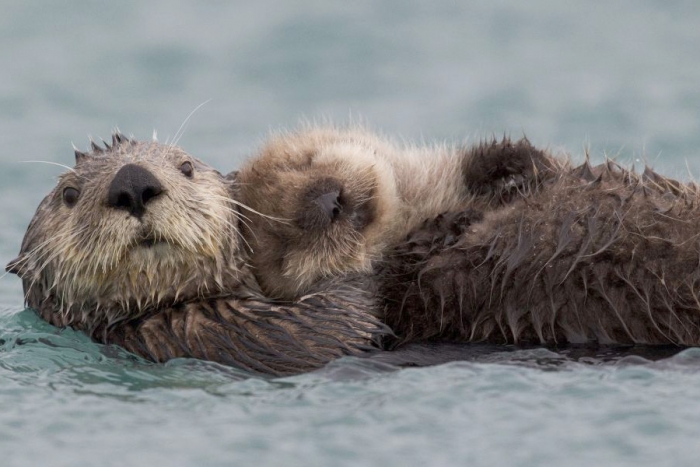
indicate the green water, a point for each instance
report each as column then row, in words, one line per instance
column 619, row 78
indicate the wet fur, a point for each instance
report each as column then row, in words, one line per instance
column 578, row 255
column 592, row 255
column 87, row 263
column 386, row 190
column 192, row 295
column 256, row 334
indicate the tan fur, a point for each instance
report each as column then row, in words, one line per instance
column 171, row 280
column 397, row 185
column 591, row 254
column 89, row 261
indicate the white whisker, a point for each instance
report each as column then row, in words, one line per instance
column 50, row 163
column 178, row 133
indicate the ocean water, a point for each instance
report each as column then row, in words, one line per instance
column 611, row 78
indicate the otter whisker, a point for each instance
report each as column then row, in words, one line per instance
column 34, row 254
column 180, row 131
column 229, row 200
column 235, row 229
column 46, row 261
column 50, row 163
column 273, row 218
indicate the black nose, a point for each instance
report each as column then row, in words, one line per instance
column 330, row 204
column 132, row 188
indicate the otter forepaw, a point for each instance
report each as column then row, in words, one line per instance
column 503, row 169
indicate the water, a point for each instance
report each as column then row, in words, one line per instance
column 621, row 79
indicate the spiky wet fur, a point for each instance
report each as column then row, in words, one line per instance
column 257, row 334
column 86, row 264
column 399, row 186
column 579, row 255
column 593, row 255
column 192, row 294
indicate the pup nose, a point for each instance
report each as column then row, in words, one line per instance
column 330, row 204
column 132, row 188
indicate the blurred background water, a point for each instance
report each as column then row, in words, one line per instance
column 618, row 78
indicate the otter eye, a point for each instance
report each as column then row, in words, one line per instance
column 70, row 196
column 187, row 169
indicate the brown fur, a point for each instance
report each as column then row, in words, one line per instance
column 92, row 262
column 256, row 334
column 172, row 281
column 594, row 255
column 579, row 255
column 383, row 191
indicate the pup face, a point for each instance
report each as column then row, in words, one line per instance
column 323, row 200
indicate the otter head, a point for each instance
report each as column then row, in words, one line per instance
column 133, row 226
column 322, row 200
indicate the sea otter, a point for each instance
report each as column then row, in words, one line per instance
column 589, row 255
column 105, row 241
column 334, row 199
column 139, row 245
column 585, row 255
column 595, row 255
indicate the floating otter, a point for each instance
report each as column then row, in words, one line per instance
column 334, row 199
column 543, row 269
column 586, row 255
column 139, row 245
column 132, row 227
column 594, row 255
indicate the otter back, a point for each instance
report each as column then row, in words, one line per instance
column 598, row 255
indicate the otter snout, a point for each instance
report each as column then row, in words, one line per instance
column 330, row 204
column 322, row 205
column 132, row 188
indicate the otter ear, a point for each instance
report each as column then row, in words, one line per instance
column 232, row 175
column 15, row 266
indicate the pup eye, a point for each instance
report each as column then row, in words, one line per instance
column 187, row 169
column 70, row 196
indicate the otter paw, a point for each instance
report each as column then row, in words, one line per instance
column 435, row 235
column 504, row 168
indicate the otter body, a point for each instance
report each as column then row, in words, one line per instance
column 139, row 245
column 251, row 332
column 332, row 200
column 595, row 255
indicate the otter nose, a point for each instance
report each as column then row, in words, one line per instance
column 132, row 188
column 330, row 204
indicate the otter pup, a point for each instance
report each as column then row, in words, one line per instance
column 139, row 245
column 332, row 200
column 595, row 255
